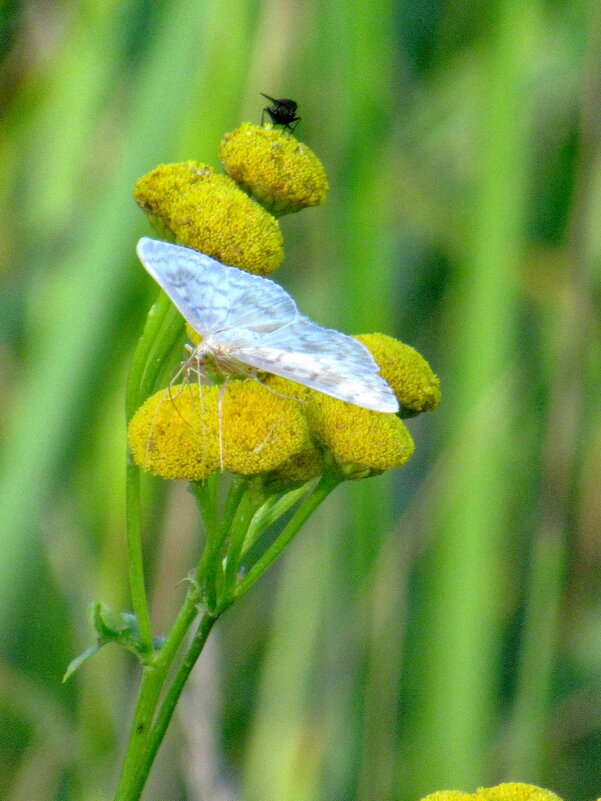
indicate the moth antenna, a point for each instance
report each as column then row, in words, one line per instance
column 254, row 375
column 201, row 399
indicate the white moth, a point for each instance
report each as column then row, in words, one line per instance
column 249, row 321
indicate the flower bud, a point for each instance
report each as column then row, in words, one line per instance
column 193, row 205
column 406, row 371
column 281, row 173
column 361, row 442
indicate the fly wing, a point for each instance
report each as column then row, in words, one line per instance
column 213, row 296
column 319, row 358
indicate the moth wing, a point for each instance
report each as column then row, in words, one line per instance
column 319, row 358
column 213, row 296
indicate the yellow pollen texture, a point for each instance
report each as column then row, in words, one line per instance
column 283, row 174
column 515, row 791
column 299, row 468
column 210, row 213
column 509, row 791
column 181, row 431
column 406, row 371
column 287, row 388
column 358, row 436
column 175, row 433
column 260, row 429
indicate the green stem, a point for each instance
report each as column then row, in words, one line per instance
column 247, row 507
column 326, row 484
column 153, row 679
column 154, row 676
column 205, row 495
column 214, row 574
column 151, row 717
column 163, row 326
column 137, row 586
column 167, row 708
column 268, row 513
column 135, row 392
column 136, row 745
column 147, row 361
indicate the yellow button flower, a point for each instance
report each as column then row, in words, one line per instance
column 361, row 442
column 515, row 791
column 509, row 791
column 177, row 433
column 416, row 387
column 208, row 212
column 260, row 428
column 298, row 469
column 283, row 174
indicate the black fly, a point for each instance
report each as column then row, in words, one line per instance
column 282, row 112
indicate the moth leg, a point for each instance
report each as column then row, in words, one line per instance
column 220, row 418
column 255, row 375
column 261, row 445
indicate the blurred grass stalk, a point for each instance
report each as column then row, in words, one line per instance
column 566, row 440
column 457, row 707
column 77, row 203
column 84, row 293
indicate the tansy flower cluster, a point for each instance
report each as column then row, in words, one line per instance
column 275, row 427
column 509, row 791
column 260, row 424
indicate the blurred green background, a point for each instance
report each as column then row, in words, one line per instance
column 436, row 627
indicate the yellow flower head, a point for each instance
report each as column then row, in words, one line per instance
column 406, row 371
column 515, row 791
column 208, row 212
column 177, row 433
column 283, row 174
column 193, row 336
column 260, row 428
column 509, row 791
column 297, row 470
column 361, row 442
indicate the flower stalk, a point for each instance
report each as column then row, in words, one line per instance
column 253, row 451
column 212, row 589
column 149, row 357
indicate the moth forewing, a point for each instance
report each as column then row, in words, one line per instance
column 252, row 320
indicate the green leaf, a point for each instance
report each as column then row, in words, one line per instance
column 76, row 663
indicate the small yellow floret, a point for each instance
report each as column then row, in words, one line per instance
column 260, row 429
column 283, row 174
column 449, row 795
column 193, row 336
column 156, row 191
column 298, row 469
column 361, row 441
column 210, row 213
column 408, row 373
column 509, row 791
column 515, row 791
column 175, row 433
